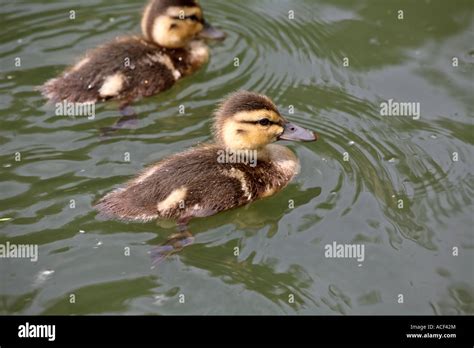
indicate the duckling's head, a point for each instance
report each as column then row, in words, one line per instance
column 173, row 23
column 247, row 120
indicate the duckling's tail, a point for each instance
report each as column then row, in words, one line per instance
column 48, row 92
column 71, row 90
column 119, row 206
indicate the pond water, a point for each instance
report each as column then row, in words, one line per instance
column 400, row 186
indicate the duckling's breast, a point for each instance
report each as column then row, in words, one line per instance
column 284, row 159
column 190, row 58
column 284, row 166
column 199, row 53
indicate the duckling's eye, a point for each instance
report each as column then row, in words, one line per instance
column 264, row 122
column 192, row 17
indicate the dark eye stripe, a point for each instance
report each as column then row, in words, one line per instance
column 258, row 121
column 192, row 17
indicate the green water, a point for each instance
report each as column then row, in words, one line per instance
column 299, row 62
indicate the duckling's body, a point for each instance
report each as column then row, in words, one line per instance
column 198, row 183
column 132, row 67
column 193, row 184
column 126, row 69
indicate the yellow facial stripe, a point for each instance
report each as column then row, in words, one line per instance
column 175, row 11
column 276, row 129
column 257, row 115
column 173, row 33
column 232, row 139
column 244, row 135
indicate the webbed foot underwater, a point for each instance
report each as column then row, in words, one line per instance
column 174, row 243
column 198, row 183
column 172, row 46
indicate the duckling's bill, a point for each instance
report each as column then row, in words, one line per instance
column 293, row 132
column 211, row 32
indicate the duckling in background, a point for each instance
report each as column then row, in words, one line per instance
column 133, row 67
column 199, row 182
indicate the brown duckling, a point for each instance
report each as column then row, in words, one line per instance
column 241, row 166
column 133, row 67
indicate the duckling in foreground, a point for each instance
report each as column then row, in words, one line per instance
column 133, row 67
column 203, row 181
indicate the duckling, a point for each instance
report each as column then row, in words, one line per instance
column 132, row 67
column 214, row 177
